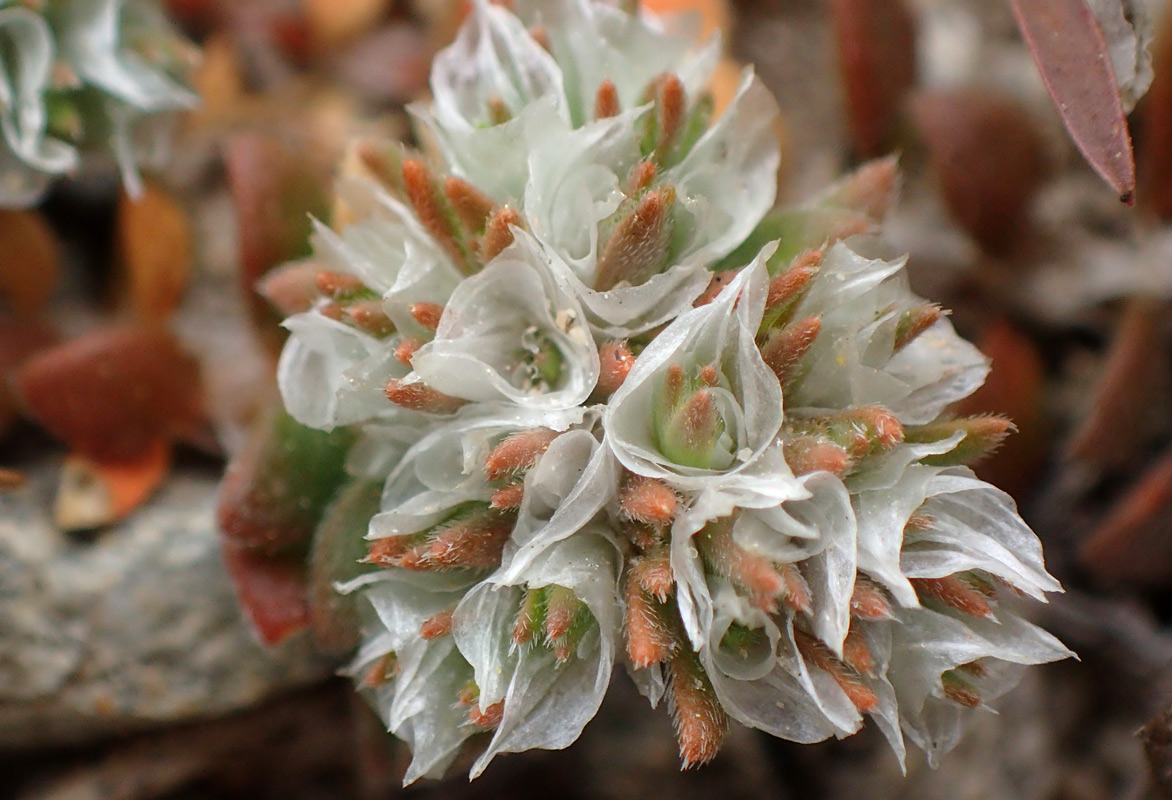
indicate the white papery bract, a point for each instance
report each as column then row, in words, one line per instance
column 512, row 334
column 77, row 77
column 610, row 428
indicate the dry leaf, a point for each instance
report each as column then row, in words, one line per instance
column 31, row 261
column 93, row 494
column 1072, row 56
column 1114, row 434
column 877, row 53
column 1134, row 542
column 1156, row 119
column 154, row 243
column 986, row 157
column 113, row 392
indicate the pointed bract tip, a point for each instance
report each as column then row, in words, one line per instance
column 606, row 102
column 418, row 396
column 517, row 453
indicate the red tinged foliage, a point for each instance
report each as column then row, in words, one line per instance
column 1068, row 47
column 271, row 592
column 111, row 393
column 877, row 52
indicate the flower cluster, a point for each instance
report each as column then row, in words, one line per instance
column 82, row 75
column 618, row 420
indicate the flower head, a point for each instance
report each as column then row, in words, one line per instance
column 617, row 421
column 80, row 76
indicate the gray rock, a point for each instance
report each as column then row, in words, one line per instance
column 132, row 627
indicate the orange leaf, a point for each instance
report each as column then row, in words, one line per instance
column 29, row 274
column 96, row 493
column 1068, row 47
column 154, row 243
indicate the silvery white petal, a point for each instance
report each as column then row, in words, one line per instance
column 92, row 33
column 827, row 695
column 493, row 60
column 728, row 181
column 777, row 703
column 830, row 572
column 389, row 250
column 721, row 333
column 495, row 324
column 594, row 42
column 331, row 374
column 882, row 516
column 436, row 731
column 23, row 117
column 574, row 184
column 495, row 159
column 650, row 682
column 571, row 484
column 886, row 713
column 975, row 526
column 446, row 467
column 546, row 703
column 852, row 361
column 381, row 445
column 927, row 643
column 403, row 600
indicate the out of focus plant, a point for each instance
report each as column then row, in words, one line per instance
column 81, row 76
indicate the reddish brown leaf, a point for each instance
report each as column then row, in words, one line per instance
column 19, row 339
column 987, row 159
column 877, row 52
column 1134, row 542
column 111, row 393
column 274, row 193
column 1072, row 57
column 270, row 590
column 1155, row 112
column 1113, row 434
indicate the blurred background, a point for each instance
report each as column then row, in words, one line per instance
column 127, row 668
